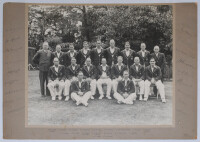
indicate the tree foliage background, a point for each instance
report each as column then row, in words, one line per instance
column 64, row 24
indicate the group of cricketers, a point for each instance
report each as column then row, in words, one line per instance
column 79, row 75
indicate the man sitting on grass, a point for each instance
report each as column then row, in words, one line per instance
column 125, row 90
column 56, row 77
column 80, row 90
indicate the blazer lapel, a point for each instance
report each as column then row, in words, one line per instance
column 85, row 67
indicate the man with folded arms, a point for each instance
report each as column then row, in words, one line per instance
column 89, row 72
column 71, row 75
column 137, row 74
column 56, row 78
column 80, row 91
column 104, row 76
column 117, row 72
column 125, row 90
column 153, row 76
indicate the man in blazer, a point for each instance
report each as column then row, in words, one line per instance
column 160, row 59
column 137, row 74
column 66, row 57
column 44, row 58
column 144, row 55
column 111, row 53
column 71, row 75
column 58, row 53
column 90, row 72
column 153, row 76
column 128, row 55
column 97, row 54
column 80, row 91
column 117, row 72
column 104, row 75
column 83, row 54
column 56, row 79
column 125, row 90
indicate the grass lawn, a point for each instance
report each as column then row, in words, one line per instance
column 44, row 111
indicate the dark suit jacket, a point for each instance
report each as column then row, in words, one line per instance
column 144, row 60
column 111, row 57
column 53, row 75
column 44, row 59
column 60, row 59
column 96, row 57
column 140, row 74
column 91, row 73
column 160, row 60
column 128, row 60
column 66, row 58
column 84, row 87
column 115, row 72
column 107, row 71
column 72, row 73
column 81, row 57
column 129, row 88
column 156, row 74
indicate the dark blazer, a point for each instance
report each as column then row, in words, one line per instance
column 156, row 74
column 96, row 57
column 53, row 75
column 128, row 60
column 91, row 73
column 66, row 58
column 60, row 59
column 115, row 72
column 129, row 88
column 107, row 71
column 81, row 57
column 84, row 87
column 72, row 73
column 111, row 57
column 144, row 60
column 44, row 59
column 140, row 74
column 160, row 60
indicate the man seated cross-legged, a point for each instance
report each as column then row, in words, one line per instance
column 125, row 90
column 56, row 77
column 153, row 76
column 80, row 90
column 104, row 76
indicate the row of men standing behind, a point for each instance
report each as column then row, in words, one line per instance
column 44, row 57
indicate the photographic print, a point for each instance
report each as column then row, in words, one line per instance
column 100, row 65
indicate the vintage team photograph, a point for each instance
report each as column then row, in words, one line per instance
column 100, row 65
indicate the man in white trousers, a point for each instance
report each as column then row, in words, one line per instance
column 71, row 75
column 104, row 75
column 125, row 90
column 153, row 76
column 80, row 90
column 56, row 77
column 90, row 72
column 137, row 74
column 117, row 72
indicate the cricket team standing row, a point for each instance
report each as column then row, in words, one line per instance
column 77, row 74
